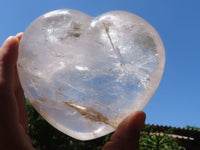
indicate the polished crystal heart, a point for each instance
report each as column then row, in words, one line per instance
column 84, row 75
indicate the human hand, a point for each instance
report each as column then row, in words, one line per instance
column 14, row 120
column 13, row 114
column 127, row 134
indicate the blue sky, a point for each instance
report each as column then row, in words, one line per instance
column 177, row 100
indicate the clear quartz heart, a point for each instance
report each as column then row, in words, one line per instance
column 84, row 75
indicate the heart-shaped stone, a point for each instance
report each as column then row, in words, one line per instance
column 84, row 75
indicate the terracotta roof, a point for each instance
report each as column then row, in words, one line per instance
column 176, row 132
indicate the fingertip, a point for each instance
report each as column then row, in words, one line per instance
column 137, row 120
column 127, row 133
column 11, row 41
column 130, row 125
column 9, row 50
column 19, row 35
column 140, row 115
column 137, row 117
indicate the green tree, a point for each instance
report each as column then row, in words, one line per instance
column 193, row 128
column 151, row 140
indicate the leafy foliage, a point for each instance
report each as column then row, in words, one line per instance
column 193, row 128
column 152, row 140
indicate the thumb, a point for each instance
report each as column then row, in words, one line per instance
column 127, row 135
column 8, row 58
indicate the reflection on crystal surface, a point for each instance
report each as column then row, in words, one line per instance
column 84, row 75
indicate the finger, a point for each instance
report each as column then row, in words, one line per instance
column 128, row 133
column 21, row 101
column 12, row 134
column 8, row 58
column 131, row 124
